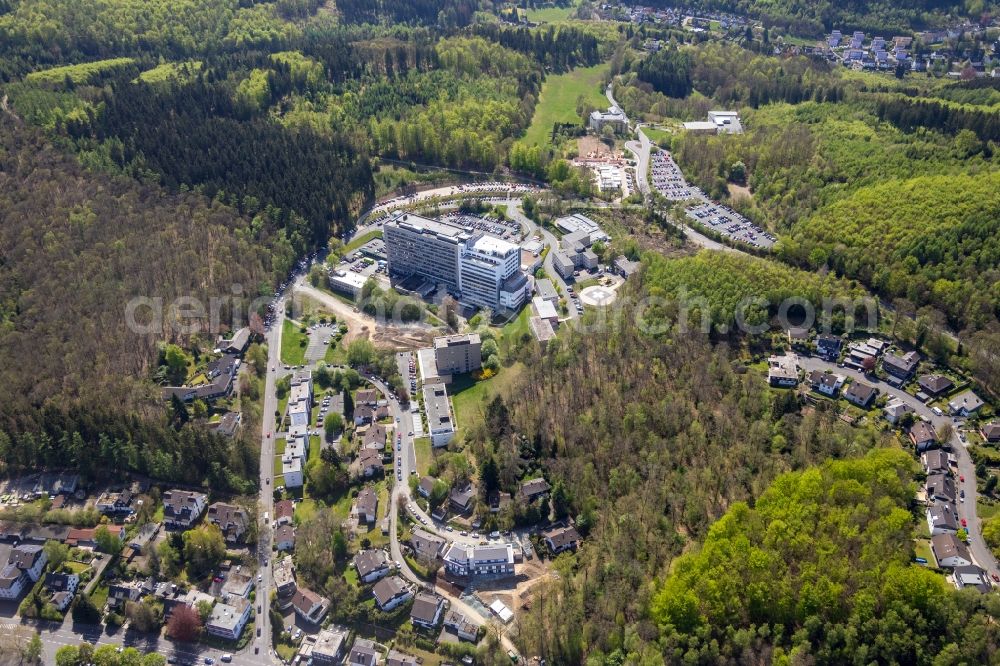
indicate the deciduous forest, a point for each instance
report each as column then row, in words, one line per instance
column 76, row 247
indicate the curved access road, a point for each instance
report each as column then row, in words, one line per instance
column 515, row 213
column 967, row 510
column 406, row 462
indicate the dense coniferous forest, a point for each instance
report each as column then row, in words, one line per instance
column 448, row 13
column 77, row 246
column 202, row 135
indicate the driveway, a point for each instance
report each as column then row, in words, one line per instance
column 966, row 468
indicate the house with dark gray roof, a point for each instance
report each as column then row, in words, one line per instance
column 970, row 575
column 934, row 384
column 533, row 489
column 426, row 546
column 391, row 592
column 233, row 521
column 941, row 518
column 182, row 508
column 935, row 462
column 860, row 394
column 461, row 498
column 941, row 487
column 371, row 564
column 901, row 367
column 949, row 551
column 427, row 610
column 923, row 436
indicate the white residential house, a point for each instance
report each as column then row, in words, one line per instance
column 24, row 567
column 182, row 508
column 941, row 518
column 228, row 619
column 391, row 592
column 949, row 551
column 371, row 565
column 291, row 472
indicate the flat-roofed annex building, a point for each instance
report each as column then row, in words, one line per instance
column 438, row 410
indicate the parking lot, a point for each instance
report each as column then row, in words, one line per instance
column 728, row 222
column 508, row 230
column 320, row 337
column 668, row 179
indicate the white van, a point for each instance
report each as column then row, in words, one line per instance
column 266, row 518
column 227, row 657
column 937, row 410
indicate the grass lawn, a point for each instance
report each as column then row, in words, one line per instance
column 987, row 510
column 657, row 135
column 359, row 241
column 336, row 354
column 277, row 468
column 314, row 447
column 286, row 652
column 342, row 507
column 468, row 396
column 279, row 447
column 422, row 447
column 923, row 549
column 305, row 510
column 557, row 101
column 75, row 567
column 551, row 14
column 513, row 331
column 351, row 576
column 100, row 595
column 293, row 344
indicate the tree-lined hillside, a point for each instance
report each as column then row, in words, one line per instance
column 646, row 440
column 76, row 248
column 820, row 569
column 932, row 240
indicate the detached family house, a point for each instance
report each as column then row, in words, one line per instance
column 860, row 394
column 783, row 371
column 182, row 508
column 372, row 565
column 391, row 592
column 901, row 367
column 828, row 346
column 922, row 435
column 24, row 567
column 941, row 518
column 232, row 520
column 950, row 552
column 965, row 403
column 826, row 383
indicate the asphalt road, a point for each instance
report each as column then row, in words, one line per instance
column 55, row 636
column 266, row 502
column 406, row 462
column 967, row 509
column 515, row 213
